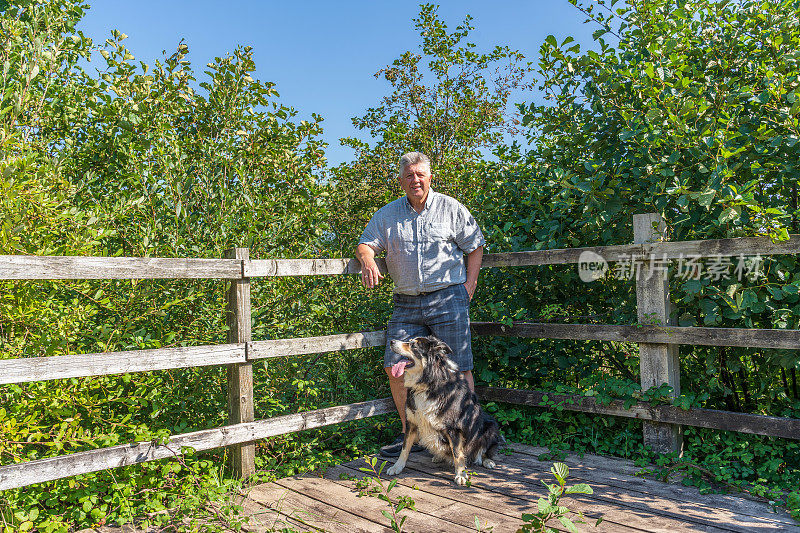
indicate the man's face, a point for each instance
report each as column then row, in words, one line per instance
column 416, row 180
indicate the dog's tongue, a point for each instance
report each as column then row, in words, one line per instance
column 399, row 368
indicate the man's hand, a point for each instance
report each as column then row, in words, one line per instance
column 471, row 288
column 474, row 260
column 370, row 274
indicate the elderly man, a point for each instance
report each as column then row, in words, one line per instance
column 426, row 236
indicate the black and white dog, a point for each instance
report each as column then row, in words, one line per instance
column 441, row 412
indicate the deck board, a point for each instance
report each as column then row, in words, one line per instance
column 436, row 497
column 627, row 502
column 640, row 497
column 623, row 474
column 521, row 493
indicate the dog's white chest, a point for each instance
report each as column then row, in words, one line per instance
column 425, row 417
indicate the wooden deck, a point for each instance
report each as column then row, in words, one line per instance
column 498, row 499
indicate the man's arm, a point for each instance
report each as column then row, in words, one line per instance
column 474, row 260
column 370, row 275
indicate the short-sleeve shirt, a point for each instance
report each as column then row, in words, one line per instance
column 424, row 251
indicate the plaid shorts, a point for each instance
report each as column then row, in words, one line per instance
column 443, row 313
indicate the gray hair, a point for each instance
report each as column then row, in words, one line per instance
column 412, row 158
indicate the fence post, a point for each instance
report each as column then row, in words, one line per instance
column 240, row 375
column 658, row 363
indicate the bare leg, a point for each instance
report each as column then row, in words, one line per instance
column 399, row 393
column 408, row 442
column 470, row 380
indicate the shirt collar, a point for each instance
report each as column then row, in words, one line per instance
column 428, row 201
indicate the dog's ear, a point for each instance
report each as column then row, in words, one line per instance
column 440, row 346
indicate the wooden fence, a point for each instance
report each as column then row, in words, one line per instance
column 657, row 339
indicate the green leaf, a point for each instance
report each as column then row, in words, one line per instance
column 729, row 215
column 560, row 471
column 543, row 505
column 568, row 524
column 580, row 488
column 706, row 197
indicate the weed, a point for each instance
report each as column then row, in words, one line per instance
column 375, row 486
column 549, row 508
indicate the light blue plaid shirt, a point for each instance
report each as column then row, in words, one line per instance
column 424, row 251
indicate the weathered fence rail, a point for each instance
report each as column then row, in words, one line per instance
column 23, row 370
column 61, row 267
column 771, row 426
column 41, row 470
column 700, row 336
column 657, row 346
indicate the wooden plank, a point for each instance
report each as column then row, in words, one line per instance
column 742, row 337
column 674, row 500
column 658, row 363
column 240, row 375
column 634, row 498
column 659, row 250
column 722, row 247
column 772, row 426
column 28, row 369
column 622, row 504
column 310, row 345
column 526, row 488
column 560, row 256
column 460, row 505
column 625, row 474
column 78, row 267
column 368, row 508
column 305, row 267
column 310, row 514
column 261, row 519
column 503, row 494
column 98, row 364
column 41, row 470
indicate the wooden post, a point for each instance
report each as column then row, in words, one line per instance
column 658, row 363
column 240, row 375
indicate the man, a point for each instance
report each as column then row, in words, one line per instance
column 426, row 236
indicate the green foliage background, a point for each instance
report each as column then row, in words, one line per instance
column 689, row 109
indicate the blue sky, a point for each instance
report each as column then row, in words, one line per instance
column 323, row 55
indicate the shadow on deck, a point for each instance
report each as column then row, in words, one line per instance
column 499, row 497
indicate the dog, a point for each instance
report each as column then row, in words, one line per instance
column 441, row 411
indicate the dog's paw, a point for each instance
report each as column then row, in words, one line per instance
column 461, row 478
column 394, row 470
column 436, row 459
column 488, row 463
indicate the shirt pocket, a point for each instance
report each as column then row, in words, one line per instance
column 440, row 232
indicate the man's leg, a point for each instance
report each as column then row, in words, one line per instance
column 404, row 325
column 470, row 380
column 447, row 316
column 399, row 393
